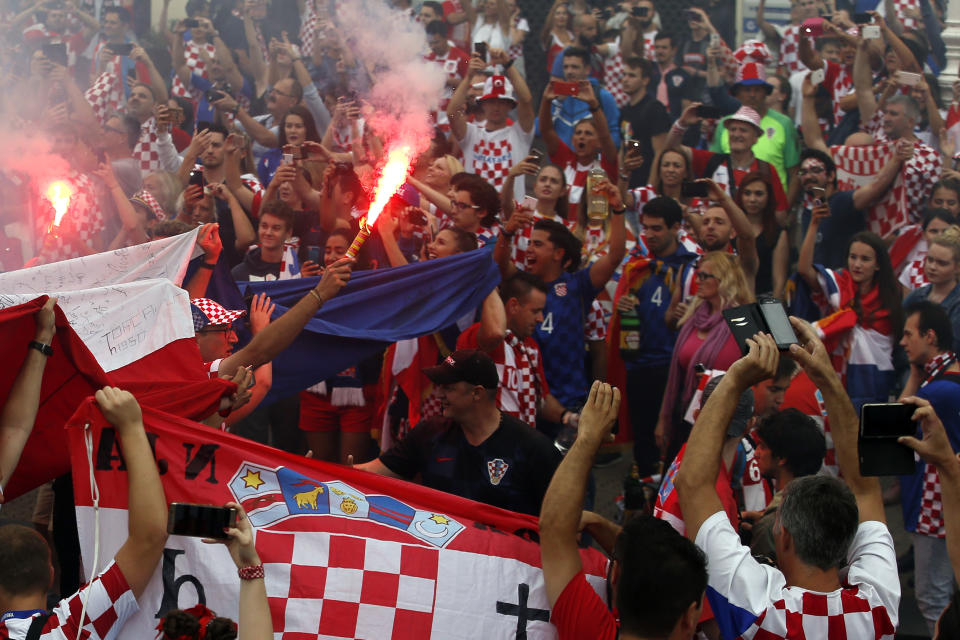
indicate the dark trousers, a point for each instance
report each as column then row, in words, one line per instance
column 275, row 425
column 644, row 394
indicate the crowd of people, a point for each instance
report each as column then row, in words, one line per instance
column 668, row 173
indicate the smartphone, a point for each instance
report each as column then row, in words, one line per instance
column 708, row 111
column 714, row 39
column 564, row 88
column 817, row 76
column 908, row 79
column 196, row 177
column 537, row 156
column 191, row 23
column 101, row 156
column 202, row 125
column 870, row 32
column 813, row 27
column 693, row 16
column 819, row 193
column 200, row 520
column 529, row 203
column 878, row 450
column 480, row 48
column 862, row 18
column 294, row 150
column 690, row 189
column 213, row 95
column 640, row 12
column 633, row 146
column 778, row 324
column 121, row 49
column 56, row 53
column 313, row 254
column 744, row 322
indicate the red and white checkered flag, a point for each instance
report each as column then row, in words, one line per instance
column 309, row 27
column 105, row 95
column 191, row 54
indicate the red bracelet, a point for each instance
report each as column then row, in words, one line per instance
column 251, row 573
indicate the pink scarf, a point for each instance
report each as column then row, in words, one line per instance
column 682, row 388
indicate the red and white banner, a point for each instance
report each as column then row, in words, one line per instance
column 858, row 167
column 124, row 304
column 347, row 554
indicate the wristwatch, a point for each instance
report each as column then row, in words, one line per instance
column 45, row 349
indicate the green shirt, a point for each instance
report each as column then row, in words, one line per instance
column 779, row 144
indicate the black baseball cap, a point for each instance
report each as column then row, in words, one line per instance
column 465, row 365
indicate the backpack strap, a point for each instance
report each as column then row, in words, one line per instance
column 36, row 627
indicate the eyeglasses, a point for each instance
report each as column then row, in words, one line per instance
column 703, row 276
column 803, row 172
column 220, row 330
column 461, row 206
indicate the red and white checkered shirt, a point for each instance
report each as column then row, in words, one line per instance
column 490, row 154
column 790, row 49
column 109, row 605
column 523, row 382
column 191, row 54
column 901, row 7
column 613, row 73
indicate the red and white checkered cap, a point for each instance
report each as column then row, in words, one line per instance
column 146, row 199
column 207, row 312
column 753, row 51
column 497, row 87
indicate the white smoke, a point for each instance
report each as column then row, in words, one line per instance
column 406, row 88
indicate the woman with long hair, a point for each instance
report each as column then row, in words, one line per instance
column 556, row 35
column 551, row 193
column 942, row 270
column 756, row 197
column 868, row 290
column 704, row 339
column 296, row 127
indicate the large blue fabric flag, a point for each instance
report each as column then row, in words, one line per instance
column 376, row 309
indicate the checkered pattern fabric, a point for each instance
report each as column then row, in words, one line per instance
column 191, row 54
column 595, row 328
column 432, row 405
column 336, row 586
column 613, row 74
column 492, row 160
column 454, row 64
column 902, row 8
column 754, row 51
column 79, row 226
column 105, row 94
column 519, row 392
column 930, row 523
column 840, row 85
column 855, row 165
column 109, row 604
column 790, row 49
column 913, row 276
column 146, row 198
column 805, row 614
column 309, row 28
column 521, row 239
column 145, row 153
column 521, row 24
column 209, row 312
column 648, row 40
column 919, row 172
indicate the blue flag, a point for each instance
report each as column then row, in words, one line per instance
column 376, row 309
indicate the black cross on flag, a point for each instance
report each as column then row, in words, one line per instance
column 524, row 614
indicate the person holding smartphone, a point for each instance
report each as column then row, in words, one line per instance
column 929, row 343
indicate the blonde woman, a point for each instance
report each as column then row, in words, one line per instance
column 704, row 339
column 942, row 269
column 556, row 35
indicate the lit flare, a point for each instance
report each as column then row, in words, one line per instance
column 392, row 177
column 59, row 193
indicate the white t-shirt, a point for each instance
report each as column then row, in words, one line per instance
column 752, row 600
column 490, row 154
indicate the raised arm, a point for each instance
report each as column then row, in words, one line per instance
column 603, row 268
column 935, row 448
column 862, row 84
column 147, row 509
column 493, row 322
column 844, row 422
column 241, row 223
column 809, row 122
column 550, row 138
column 209, row 241
column 525, row 110
column 281, row 332
column 20, row 410
column 770, row 32
column 457, row 104
column 697, row 477
column 686, row 120
column 805, row 261
column 560, row 511
column 157, row 83
column 746, row 236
